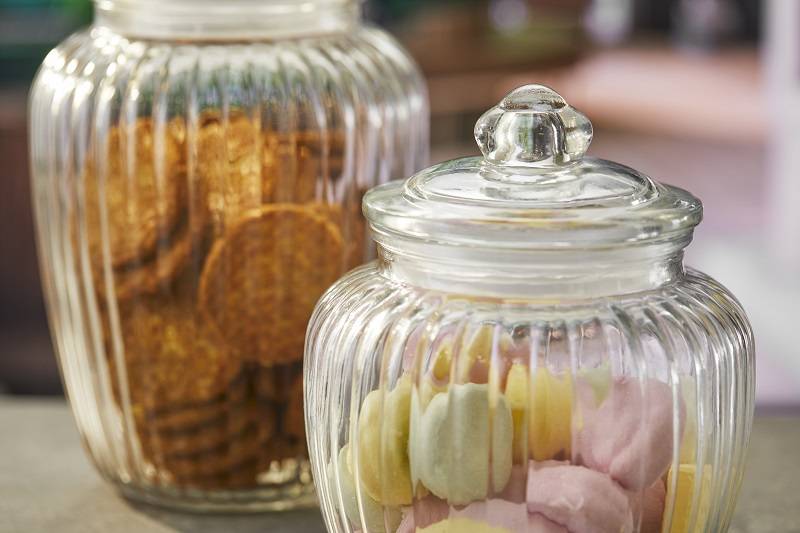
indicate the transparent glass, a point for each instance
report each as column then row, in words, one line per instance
column 472, row 380
column 198, row 169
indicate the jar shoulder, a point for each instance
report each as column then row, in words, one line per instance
column 352, row 89
column 694, row 306
column 710, row 301
column 99, row 46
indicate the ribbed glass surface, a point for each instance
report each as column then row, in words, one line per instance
column 193, row 200
column 432, row 411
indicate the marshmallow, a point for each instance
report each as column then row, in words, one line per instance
column 383, row 432
column 434, row 515
column 462, row 525
column 630, row 435
column 372, row 511
column 581, row 500
column 650, row 505
column 517, row 396
column 685, row 503
column 549, row 403
column 459, row 445
column 511, row 516
column 688, row 449
column 478, row 358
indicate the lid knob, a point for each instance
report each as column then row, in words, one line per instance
column 533, row 126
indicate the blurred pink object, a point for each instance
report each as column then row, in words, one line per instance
column 538, row 523
column 579, row 499
column 509, row 515
column 411, row 348
column 517, row 484
column 629, row 436
column 495, row 512
column 652, row 507
column 515, row 489
column 423, row 513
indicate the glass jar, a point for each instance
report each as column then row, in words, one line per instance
column 528, row 353
column 198, row 169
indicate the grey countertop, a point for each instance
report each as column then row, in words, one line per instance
column 48, row 485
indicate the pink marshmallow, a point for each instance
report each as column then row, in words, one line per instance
column 538, row 523
column 498, row 513
column 579, row 499
column 495, row 512
column 630, row 435
column 509, row 515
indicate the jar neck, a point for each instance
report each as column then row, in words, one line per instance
column 549, row 277
column 226, row 20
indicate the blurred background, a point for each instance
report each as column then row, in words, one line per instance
column 703, row 94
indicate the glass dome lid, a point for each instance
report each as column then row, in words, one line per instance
column 533, row 190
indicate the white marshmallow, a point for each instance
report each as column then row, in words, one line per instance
column 456, row 439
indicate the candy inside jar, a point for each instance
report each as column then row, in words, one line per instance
column 528, row 354
column 500, row 445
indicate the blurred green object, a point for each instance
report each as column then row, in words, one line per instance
column 30, row 28
column 448, row 37
column 395, row 10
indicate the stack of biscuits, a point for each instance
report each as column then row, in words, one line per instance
column 209, row 244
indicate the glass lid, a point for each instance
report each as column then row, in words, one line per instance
column 533, row 189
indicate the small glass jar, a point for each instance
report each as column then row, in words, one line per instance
column 529, row 353
column 198, row 168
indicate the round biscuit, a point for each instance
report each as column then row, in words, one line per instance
column 261, row 281
column 138, row 190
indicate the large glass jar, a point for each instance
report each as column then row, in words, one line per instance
column 528, row 353
column 198, row 168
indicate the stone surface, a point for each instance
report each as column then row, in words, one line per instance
column 47, row 484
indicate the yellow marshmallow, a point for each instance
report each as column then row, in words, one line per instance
column 517, row 397
column 688, row 448
column 442, row 360
column 461, row 525
column 550, row 418
column 383, row 444
column 684, row 492
column 373, row 512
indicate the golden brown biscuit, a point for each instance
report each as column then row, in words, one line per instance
column 138, row 189
column 232, row 165
column 223, row 458
column 305, row 165
column 195, row 416
column 172, row 358
column 261, row 281
column 208, row 439
column 148, row 277
column 192, row 417
column 352, row 225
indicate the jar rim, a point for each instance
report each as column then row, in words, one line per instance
column 228, row 20
column 533, row 189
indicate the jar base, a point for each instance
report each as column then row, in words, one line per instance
column 258, row 500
